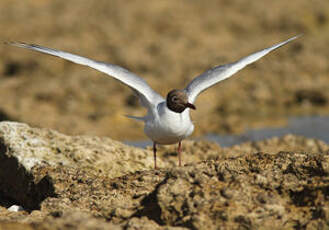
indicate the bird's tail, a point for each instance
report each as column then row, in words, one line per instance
column 136, row 118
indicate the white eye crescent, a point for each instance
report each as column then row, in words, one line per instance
column 174, row 98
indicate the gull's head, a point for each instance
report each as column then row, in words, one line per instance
column 177, row 101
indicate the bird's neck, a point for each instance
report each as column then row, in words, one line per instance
column 164, row 109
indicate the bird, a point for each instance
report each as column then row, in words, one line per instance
column 167, row 120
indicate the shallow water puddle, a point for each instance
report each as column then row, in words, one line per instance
column 312, row 127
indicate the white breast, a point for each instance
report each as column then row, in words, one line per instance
column 167, row 127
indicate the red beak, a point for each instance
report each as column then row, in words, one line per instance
column 191, row 106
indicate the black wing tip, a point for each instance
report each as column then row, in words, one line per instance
column 21, row 44
column 18, row 44
column 11, row 43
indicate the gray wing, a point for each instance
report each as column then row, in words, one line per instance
column 148, row 96
column 219, row 73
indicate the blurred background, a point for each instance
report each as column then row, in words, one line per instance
column 168, row 43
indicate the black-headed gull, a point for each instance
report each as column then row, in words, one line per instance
column 167, row 121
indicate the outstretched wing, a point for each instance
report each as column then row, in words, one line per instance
column 219, row 73
column 148, row 96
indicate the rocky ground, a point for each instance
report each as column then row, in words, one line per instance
column 83, row 182
column 168, row 43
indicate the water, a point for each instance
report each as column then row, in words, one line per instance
column 311, row 127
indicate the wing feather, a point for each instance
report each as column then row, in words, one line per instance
column 220, row 73
column 148, row 96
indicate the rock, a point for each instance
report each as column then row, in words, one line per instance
column 14, row 226
column 25, row 153
column 286, row 143
column 32, row 146
column 267, row 184
column 75, row 220
column 84, row 221
column 251, row 191
column 15, row 208
column 146, row 224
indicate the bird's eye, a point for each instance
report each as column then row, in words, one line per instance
column 174, row 99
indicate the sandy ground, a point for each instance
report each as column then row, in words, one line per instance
column 168, row 43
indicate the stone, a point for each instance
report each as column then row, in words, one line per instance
column 266, row 184
column 15, row 208
column 23, row 149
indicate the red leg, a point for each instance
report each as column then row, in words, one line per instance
column 155, row 155
column 179, row 150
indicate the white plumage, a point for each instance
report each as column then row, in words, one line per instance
column 162, row 125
